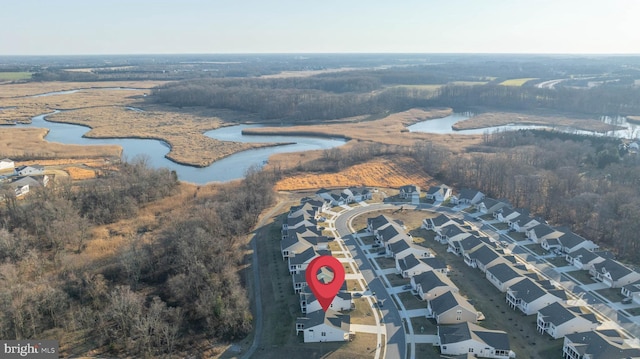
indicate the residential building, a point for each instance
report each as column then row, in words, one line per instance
column 430, row 285
column 473, row 340
column 412, row 265
column 321, row 326
column 439, row 193
column 613, row 273
column 529, row 296
column 558, row 320
column 451, row 308
column 598, row 344
column 502, row 276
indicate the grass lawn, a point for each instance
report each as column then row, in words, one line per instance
column 386, row 263
column 334, row 246
column 14, row 76
column 362, row 314
column 397, row 280
column 410, row 301
column 582, row 275
column 424, row 237
column 354, row 285
column 430, row 327
column 427, row 351
column 487, row 217
column 501, row 226
column 633, row 311
column 367, row 240
column 558, row 261
column 613, row 294
column 518, row 236
column 535, row 248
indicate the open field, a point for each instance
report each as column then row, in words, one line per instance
column 18, row 143
column 505, row 118
column 517, row 82
column 34, row 88
column 14, row 76
column 380, row 172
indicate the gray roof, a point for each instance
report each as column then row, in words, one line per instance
column 330, row 317
column 379, row 221
column 410, row 188
column 457, row 333
column 484, row 254
column 451, row 230
column 503, row 272
column 468, row 193
column 307, row 255
column 448, row 301
column 431, row 279
column 490, row 203
column 435, row 189
column 440, row 220
column 614, row 268
column 570, row 239
column 599, row 345
column 24, row 181
column 633, row 287
column 528, row 291
column 558, row 314
column 587, row 256
column 389, row 232
column 399, row 246
column 542, row 230
column 471, row 242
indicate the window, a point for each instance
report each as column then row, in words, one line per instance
column 323, row 334
column 458, row 314
column 470, row 350
column 444, row 347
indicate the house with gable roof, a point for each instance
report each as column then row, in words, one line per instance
column 502, row 276
column 571, row 242
column 321, row 326
column 432, row 284
column 583, row 258
column 411, row 265
column 300, row 261
column 411, row 192
column 542, row 231
column 483, row 258
column 438, row 193
column 468, row 196
column 598, row 344
column 613, row 273
column 632, row 291
column 341, row 302
column 528, row 296
column 451, row 308
column 490, row 205
column 558, row 319
column 473, row 340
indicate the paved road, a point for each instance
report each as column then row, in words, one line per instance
column 396, row 342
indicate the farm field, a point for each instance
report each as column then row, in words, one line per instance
column 14, row 76
column 517, row 82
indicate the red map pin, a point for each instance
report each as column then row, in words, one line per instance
column 325, row 292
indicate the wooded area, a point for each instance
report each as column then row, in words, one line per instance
column 170, row 286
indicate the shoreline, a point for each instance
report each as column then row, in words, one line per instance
column 491, row 119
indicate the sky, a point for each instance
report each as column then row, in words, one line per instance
column 75, row 27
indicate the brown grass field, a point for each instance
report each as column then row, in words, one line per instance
column 380, row 172
column 506, row 118
column 29, row 142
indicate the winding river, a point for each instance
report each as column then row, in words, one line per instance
column 227, row 169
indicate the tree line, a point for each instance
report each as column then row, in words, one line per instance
column 169, row 286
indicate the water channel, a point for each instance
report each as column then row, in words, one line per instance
column 235, row 166
column 229, row 168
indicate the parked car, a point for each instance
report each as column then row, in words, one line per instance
column 407, row 286
column 627, row 300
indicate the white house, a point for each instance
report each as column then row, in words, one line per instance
column 309, row 303
column 438, row 193
column 542, row 231
column 583, row 258
column 490, row 205
column 440, row 221
column 298, row 243
column 632, row 291
column 411, row 192
column 529, row 297
column 502, row 276
column 468, row 196
column 404, row 247
column 473, row 340
column 430, row 285
column 29, row 170
column 483, row 258
column 598, row 344
column 321, row 326
column 451, row 308
column 571, row 242
column 411, row 265
column 300, row 261
column 7, row 165
column 613, row 274
column 558, row 320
